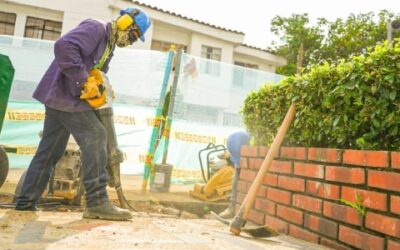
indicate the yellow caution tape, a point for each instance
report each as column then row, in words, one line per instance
column 194, row 138
column 27, row 115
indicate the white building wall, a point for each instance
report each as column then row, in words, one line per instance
column 166, row 27
column 262, row 65
column 74, row 10
column 199, row 40
column 166, row 33
column 24, row 11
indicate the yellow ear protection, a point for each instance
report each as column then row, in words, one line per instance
column 124, row 21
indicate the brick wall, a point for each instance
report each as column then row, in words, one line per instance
column 300, row 195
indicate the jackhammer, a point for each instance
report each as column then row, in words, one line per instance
column 114, row 154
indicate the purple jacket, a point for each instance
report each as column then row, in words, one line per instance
column 75, row 53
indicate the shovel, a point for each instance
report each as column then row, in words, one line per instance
column 255, row 231
column 238, row 222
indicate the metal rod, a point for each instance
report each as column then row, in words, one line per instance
column 172, row 104
column 148, row 162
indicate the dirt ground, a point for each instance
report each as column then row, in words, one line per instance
column 171, row 220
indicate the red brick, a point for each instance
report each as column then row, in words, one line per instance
column 395, row 159
column 262, row 191
column 244, row 163
column 333, row 244
column 249, row 151
column 307, row 203
column 303, row 234
column 256, row 217
column 290, row 214
column 281, row 167
column 271, row 180
column 383, row 224
column 247, row 175
column 255, row 163
column 243, row 186
column 265, row 206
column 279, row 225
column 279, row 196
column 321, row 225
column 359, row 239
column 294, row 153
column 366, row 158
column 291, row 183
column 262, row 151
column 323, row 190
column 370, row 199
column 345, row 174
column 384, row 180
column 393, row 245
column 309, row 170
column 342, row 213
column 395, row 204
column 325, row 155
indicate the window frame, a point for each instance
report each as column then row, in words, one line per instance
column 241, row 75
column 44, row 31
column 7, row 24
column 164, row 46
column 209, row 67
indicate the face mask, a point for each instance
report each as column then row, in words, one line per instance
column 123, row 39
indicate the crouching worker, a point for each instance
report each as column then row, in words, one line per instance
column 70, row 91
column 234, row 143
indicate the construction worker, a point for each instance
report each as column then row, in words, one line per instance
column 67, row 90
column 234, row 143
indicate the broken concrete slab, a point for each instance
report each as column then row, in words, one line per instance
column 67, row 230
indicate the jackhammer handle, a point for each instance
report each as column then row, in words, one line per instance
column 248, row 202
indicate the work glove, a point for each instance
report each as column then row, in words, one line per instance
column 97, row 76
column 90, row 88
column 94, row 91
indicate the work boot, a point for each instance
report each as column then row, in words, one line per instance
column 228, row 213
column 28, row 207
column 106, row 211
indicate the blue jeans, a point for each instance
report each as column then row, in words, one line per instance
column 91, row 137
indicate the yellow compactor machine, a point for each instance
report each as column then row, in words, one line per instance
column 217, row 176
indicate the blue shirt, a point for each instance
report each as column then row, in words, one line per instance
column 75, row 53
column 234, row 143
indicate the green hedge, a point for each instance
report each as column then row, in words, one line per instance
column 351, row 104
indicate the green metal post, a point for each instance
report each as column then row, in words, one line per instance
column 170, row 115
column 148, row 162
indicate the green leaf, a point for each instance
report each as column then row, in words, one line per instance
column 376, row 123
column 392, row 95
column 360, row 142
column 393, row 130
column 335, row 122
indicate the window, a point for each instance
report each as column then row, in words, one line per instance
column 42, row 29
column 209, row 67
column 7, row 23
column 233, row 120
column 211, row 53
column 242, row 76
column 200, row 114
column 165, row 46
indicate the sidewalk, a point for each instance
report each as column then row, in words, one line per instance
column 149, row 228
